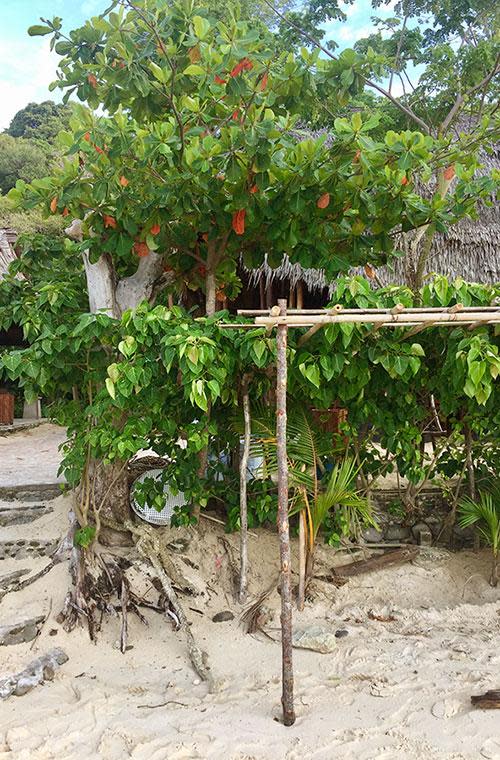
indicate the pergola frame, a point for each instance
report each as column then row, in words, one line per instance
column 417, row 319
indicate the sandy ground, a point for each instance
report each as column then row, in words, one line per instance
column 31, row 456
column 391, row 690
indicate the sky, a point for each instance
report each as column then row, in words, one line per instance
column 27, row 66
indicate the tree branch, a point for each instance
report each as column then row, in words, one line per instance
column 461, row 97
column 411, row 115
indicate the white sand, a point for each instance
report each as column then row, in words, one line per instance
column 393, row 690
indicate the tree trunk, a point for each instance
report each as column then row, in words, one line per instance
column 302, row 561
column 283, row 525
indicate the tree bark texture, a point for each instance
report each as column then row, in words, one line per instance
column 283, row 525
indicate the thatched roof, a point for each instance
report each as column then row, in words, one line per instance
column 7, row 253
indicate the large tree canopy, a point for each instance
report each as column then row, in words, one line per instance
column 203, row 160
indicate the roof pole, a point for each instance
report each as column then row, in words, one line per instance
column 283, row 525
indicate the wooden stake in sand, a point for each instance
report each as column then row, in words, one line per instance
column 243, row 492
column 283, row 526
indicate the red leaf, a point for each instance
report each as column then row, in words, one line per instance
column 86, row 136
column 219, row 80
column 92, row 81
column 155, row 229
column 65, row 211
column 263, row 83
column 323, row 200
column 404, row 181
column 123, row 181
column 254, row 189
column 239, row 221
column 141, row 249
column 53, row 204
column 243, row 65
column 109, row 221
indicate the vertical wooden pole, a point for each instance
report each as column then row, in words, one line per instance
column 243, row 492
column 283, row 526
column 302, row 561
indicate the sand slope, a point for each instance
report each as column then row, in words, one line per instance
column 391, row 690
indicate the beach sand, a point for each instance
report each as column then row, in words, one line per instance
column 398, row 689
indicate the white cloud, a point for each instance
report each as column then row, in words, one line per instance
column 27, row 67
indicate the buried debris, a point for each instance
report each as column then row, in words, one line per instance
column 22, row 632
column 316, row 638
column 37, row 672
column 490, row 700
column 387, row 559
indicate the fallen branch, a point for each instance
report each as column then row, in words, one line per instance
column 388, row 559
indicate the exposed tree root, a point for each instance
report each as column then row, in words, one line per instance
column 101, row 587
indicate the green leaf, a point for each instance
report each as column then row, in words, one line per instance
column 417, row 350
column 110, row 387
column 39, row 31
column 193, row 70
column 201, row 27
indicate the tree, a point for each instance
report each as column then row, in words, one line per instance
column 201, row 161
column 20, row 159
column 40, row 121
column 456, row 95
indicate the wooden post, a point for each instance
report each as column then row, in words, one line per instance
column 283, row 526
column 243, row 492
column 302, row 561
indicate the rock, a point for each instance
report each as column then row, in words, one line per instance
column 422, row 534
column 341, row 633
column 20, row 633
column 22, row 515
column 372, row 536
column 39, row 670
column 222, row 617
column 316, row 638
column 397, row 533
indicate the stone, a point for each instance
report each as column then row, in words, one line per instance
column 372, row 536
column 20, row 633
column 222, row 617
column 397, row 533
column 38, row 671
column 316, row 638
column 422, row 534
column 341, row 633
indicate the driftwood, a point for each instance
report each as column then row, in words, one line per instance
column 243, row 589
column 488, row 701
column 387, row 559
column 37, row 672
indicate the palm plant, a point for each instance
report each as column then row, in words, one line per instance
column 312, row 497
column 484, row 515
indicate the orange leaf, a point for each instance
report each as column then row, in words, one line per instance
column 141, row 249
column 53, row 204
column 254, row 189
column 356, row 156
column 86, row 136
column 219, row 80
column 263, row 83
column 236, row 115
column 92, row 81
column 243, row 65
column 449, row 172
column 239, row 221
column 194, row 54
column 370, row 271
column 109, row 221
column 404, row 181
column 323, row 201
column 65, row 211
column 123, row 181
column 155, row 229
column 205, row 237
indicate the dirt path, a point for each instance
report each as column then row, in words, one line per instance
column 31, row 456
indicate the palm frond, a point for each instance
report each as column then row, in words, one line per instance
column 484, row 515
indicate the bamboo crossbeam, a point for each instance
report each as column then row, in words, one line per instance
column 296, row 320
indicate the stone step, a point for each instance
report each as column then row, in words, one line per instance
column 31, row 492
column 15, row 513
column 22, row 548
